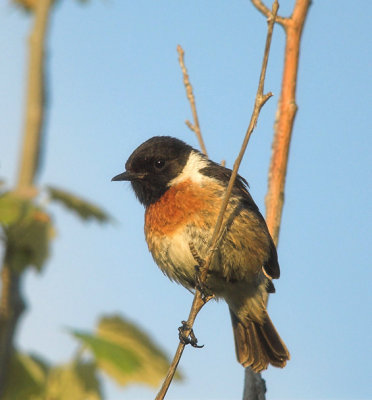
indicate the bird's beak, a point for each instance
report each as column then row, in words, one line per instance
column 128, row 176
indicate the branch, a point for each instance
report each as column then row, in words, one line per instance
column 254, row 386
column 190, row 95
column 35, row 102
column 283, row 127
column 198, row 301
column 12, row 306
column 266, row 11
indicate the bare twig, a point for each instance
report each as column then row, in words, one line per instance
column 198, row 301
column 266, row 11
column 190, row 95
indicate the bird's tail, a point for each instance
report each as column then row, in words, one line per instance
column 258, row 345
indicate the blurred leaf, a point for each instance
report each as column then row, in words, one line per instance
column 83, row 208
column 26, row 379
column 110, row 356
column 76, row 381
column 154, row 362
column 28, row 240
column 12, row 208
column 126, row 353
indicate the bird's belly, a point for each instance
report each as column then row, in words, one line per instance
column 173, row 256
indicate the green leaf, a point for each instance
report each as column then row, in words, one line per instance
column 83, row 208
column 27, row 230
column 28, row 239
column 75, row 381
column 26, row 379
column 109, row 355
column 153, row 362
column 12, row 208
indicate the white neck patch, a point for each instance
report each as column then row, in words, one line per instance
column 194, row 164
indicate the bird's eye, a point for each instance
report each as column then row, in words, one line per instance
column 159, row 164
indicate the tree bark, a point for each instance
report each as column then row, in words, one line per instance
column 287, row 109
column 11, row 308
column 254, row 386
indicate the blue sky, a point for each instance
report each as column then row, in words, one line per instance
column 114, row 81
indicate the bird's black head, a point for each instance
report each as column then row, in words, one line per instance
column 153, row 165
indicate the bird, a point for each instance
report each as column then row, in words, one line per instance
column 182, row 191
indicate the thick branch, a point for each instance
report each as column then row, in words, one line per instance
column 254, row 386
column 11, row 308
column 34, row 115
column 198, row 302
column 287, row 109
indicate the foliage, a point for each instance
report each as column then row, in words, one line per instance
column 83, row 208
column 27, row 229
column 116, row 360
column 26, row 378
column 125, row 352
column 76, row 380
column 118, row 347
column 31, row 378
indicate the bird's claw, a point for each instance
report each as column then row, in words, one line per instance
column 190, row 338
column 204, row 290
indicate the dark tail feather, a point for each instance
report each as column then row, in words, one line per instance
column 258, row 345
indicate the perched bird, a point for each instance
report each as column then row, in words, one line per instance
column 182, row 191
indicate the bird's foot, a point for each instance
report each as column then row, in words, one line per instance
column 189, row 338
column 200, row 285
column 204, row 290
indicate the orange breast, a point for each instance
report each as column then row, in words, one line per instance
column 181, row 204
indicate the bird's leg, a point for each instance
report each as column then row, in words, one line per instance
column 187, row 336
column 199, row 284
column 205, row 291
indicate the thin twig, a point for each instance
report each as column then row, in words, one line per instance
column 198, row 301
column 266, row 11
column 190, row 95
column 197, row 305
